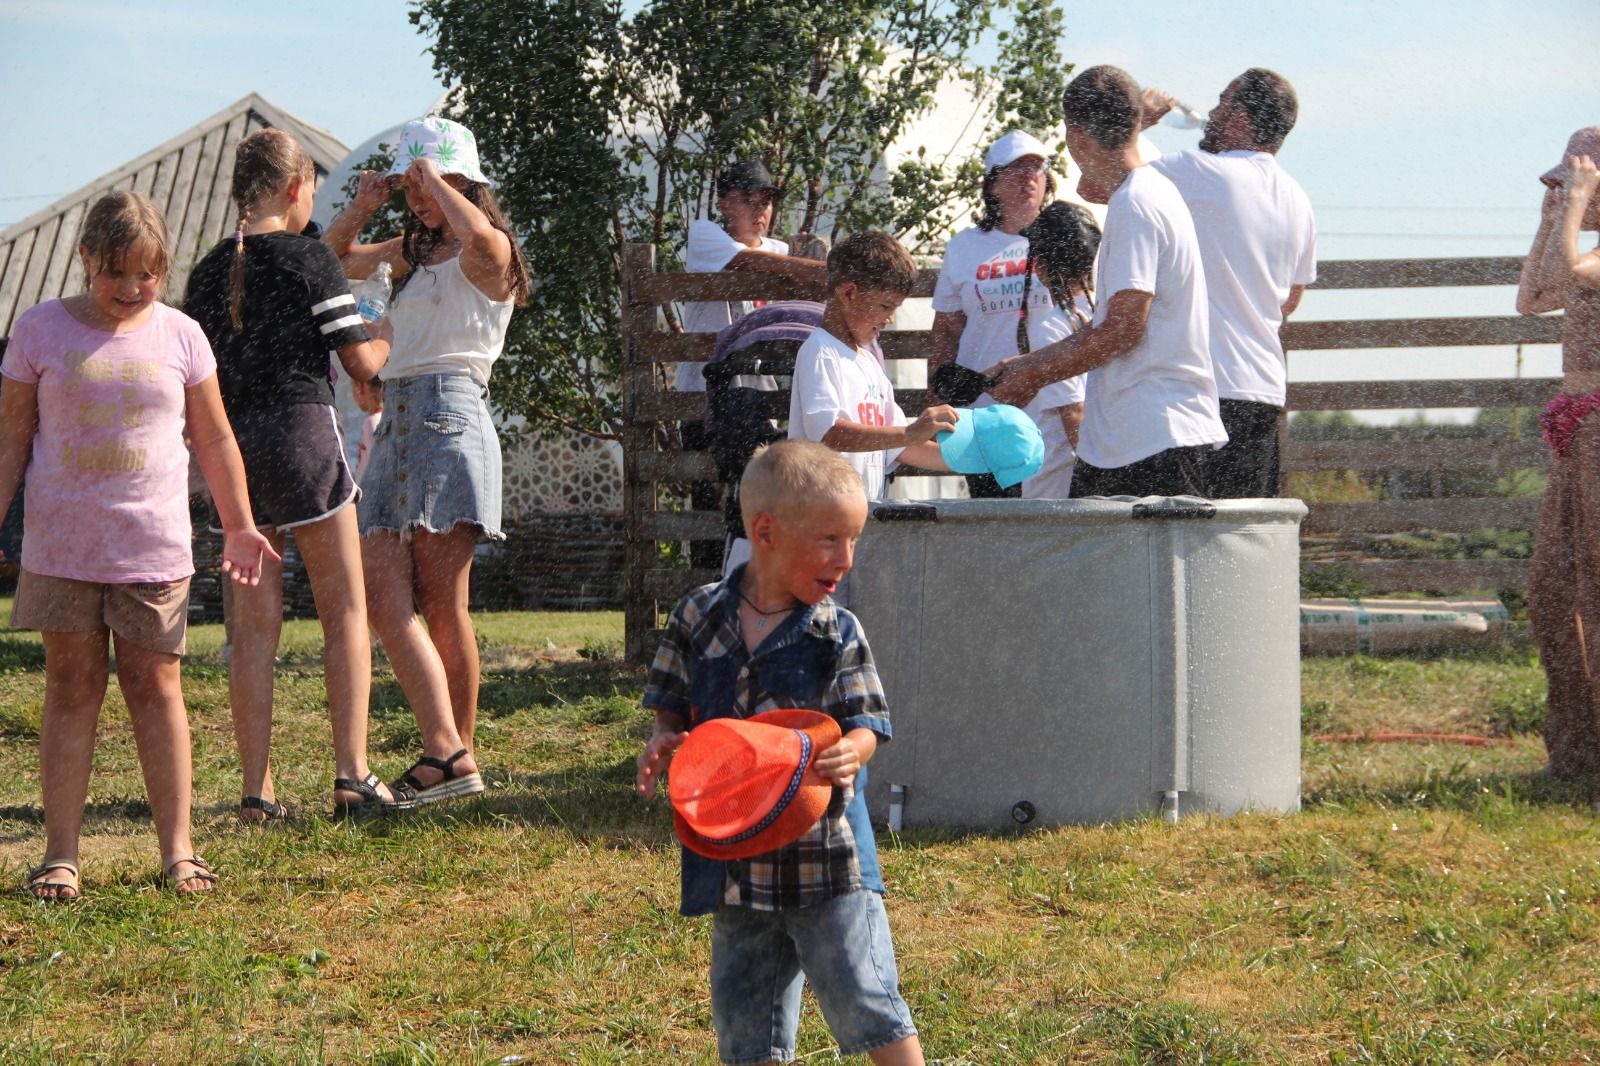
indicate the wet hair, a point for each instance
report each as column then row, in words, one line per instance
column 1269, row 101
column 418, row 242
column 120, row 223
column 791, row 475
column 872, row 260
column 1062, row 244
column 1104, row 102
column 989, row 218
column 263, row 165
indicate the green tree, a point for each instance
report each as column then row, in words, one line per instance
column 604, row 129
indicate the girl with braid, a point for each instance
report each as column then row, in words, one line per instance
column 274, row 304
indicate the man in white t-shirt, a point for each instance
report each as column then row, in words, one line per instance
column 1150, row 413
column 1258, row 241
column 746, row 199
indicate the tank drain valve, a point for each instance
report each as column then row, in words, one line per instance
column 1023, row 812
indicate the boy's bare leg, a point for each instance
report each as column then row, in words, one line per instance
column 907, row 1052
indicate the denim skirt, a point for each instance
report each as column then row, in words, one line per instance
column 435, row 460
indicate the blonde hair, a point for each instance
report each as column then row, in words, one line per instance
column 790, row 475
column 263, row 165
column 118, row 223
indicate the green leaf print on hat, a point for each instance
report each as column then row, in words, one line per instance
column 446, row 152
column 416, row 151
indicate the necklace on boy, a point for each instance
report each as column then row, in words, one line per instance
column 761, row 622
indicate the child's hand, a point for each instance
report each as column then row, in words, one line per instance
column 373, row 191
column 242, row 550
column 839, row 764
column 653, row 760
column 931, row 422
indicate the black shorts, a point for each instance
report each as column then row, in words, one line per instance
column 1246, row 467
column 1174, row 472
column 294, row 464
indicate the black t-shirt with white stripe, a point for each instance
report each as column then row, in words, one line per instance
column 298, row 310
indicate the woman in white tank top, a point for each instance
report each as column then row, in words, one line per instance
column 431, row 490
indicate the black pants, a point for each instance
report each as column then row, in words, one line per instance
column 985, row 487
column 1247, row 466
column 1174, row 472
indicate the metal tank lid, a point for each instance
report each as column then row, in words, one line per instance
column 1094, row 510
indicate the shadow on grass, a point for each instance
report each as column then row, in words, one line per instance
column 1461, row 789
column 20, row 654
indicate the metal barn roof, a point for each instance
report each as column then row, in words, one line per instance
column 187, row 177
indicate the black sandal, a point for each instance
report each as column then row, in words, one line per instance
column 271, row 810
column 409, row 789
column 372, row 801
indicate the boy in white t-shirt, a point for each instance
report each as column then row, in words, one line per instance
column 1150, row 414
column 1258, row 241
column 841, row 396
column 746, row 199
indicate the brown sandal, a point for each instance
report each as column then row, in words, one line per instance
column 47, row 891
column 202, row 873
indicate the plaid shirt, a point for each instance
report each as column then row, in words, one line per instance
column 816, row 658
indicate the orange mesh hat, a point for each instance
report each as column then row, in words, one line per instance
column 744, row 786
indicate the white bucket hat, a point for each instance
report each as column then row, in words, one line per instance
column 1012, row 147
column 450, row 145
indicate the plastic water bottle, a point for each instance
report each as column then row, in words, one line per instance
column 1183, row 117
column 373, row 303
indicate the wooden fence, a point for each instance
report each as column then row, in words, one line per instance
column 655, row 468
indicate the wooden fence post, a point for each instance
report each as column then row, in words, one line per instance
column 638, row 438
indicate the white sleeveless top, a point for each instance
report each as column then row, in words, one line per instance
column 444, row 324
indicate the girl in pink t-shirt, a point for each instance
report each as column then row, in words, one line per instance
column 99, row 391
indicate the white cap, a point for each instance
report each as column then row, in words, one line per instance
column 1012, row 147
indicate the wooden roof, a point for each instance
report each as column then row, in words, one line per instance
column 187, row 177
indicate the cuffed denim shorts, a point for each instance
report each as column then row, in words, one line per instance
column 435, row 459
column 759, row 960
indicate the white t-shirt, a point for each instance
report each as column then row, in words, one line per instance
column 1257, row 239
column 1160, row 394
column 834, row 380
column 982, row 278
column 708, row 251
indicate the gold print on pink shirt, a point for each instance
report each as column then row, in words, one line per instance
column 109, row 454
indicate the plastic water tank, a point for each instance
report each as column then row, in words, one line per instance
column 1063, row 662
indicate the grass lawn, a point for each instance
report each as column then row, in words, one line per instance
column 1431, row 903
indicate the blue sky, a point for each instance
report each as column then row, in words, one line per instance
column 1423, row 125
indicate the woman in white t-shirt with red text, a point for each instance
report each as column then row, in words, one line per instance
column 978, row 303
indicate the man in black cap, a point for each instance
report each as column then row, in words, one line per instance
column 747, row 198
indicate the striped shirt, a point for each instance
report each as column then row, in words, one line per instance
column 817, row 658
column 297, row 311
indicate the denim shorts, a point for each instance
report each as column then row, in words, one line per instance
column 435, row 459
column 759, row 960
